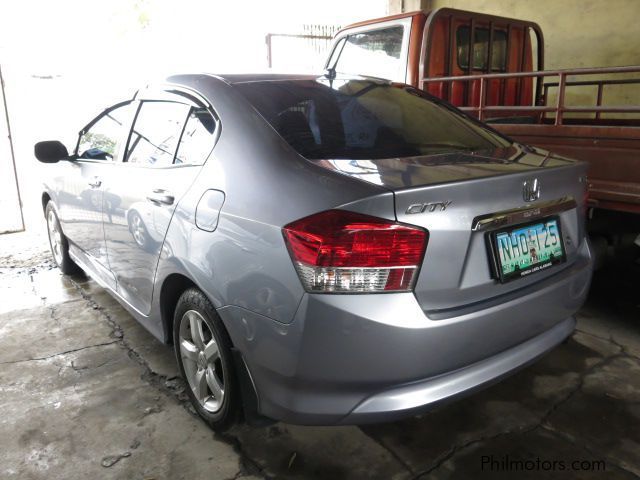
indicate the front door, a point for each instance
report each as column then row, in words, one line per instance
column 155, row 173
column 81, row 195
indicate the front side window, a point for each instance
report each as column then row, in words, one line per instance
column 103, row 139
column 198, row 138
column 364, row 119
column 481, row 49
column 156, row 133
column 378, row 53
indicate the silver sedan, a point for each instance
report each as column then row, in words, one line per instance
column 321, row 250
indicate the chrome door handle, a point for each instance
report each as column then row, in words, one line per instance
column 95, row 183
column 160, row 196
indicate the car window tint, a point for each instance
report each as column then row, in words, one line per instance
column 156, row 132
column 377, row 53
column 103, row 139
column 198, row 138
column 364, row 119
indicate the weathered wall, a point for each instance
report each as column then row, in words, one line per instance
column 578, row 33
column 398, row 6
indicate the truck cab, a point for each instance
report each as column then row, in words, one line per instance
column 413, row 46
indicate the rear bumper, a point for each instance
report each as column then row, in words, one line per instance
column 408, row 399
column 349, row 359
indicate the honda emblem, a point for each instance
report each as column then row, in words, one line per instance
column 531, row 190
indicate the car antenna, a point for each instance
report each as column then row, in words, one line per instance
column 330, row 74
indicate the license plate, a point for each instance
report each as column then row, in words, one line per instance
column 522, row 250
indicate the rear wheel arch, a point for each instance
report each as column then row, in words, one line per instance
column 172, row 287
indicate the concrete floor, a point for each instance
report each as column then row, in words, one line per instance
column 88, row 393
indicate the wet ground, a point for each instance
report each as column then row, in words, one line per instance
column 85, row 392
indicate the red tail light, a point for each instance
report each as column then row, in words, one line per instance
column 342, row 251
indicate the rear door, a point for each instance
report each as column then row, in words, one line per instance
column 170, row 140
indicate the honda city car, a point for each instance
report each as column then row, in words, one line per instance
column 321, row 250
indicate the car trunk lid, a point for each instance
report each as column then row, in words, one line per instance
column 450, row 194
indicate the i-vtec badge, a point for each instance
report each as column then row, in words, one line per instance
column 428, row 207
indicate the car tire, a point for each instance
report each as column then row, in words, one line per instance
column 58, row 243
column 203, row 352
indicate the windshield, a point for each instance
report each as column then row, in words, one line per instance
column 364, row 119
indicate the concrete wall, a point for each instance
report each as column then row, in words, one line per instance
column 399, row 6
column 578, row 33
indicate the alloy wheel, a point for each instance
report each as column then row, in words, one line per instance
column 201, row 361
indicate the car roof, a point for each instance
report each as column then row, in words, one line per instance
column 187, row 79
column 236, row 78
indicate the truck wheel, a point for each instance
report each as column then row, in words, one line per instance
column 59, row 243
column 203, row 352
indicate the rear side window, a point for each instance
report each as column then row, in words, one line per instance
column 378, row 53
column 481, row 49
column 364, row 119
column 198, row 138
column 103, row 139
column 156, row 133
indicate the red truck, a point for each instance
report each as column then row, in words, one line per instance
column 493, row 68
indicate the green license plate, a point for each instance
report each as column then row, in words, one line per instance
column 526, row 249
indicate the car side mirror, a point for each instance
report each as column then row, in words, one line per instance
column 50, row 151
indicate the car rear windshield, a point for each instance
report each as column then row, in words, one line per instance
column 364, row 119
